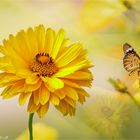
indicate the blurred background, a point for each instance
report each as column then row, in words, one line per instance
column 103, row 26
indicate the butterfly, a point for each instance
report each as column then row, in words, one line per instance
column 131, row 60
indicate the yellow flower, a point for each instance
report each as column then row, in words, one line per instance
column 119, row 85
column 99, row 14
column 40, row 64
column 107, row 115
column 41, row 132
column 123, row 92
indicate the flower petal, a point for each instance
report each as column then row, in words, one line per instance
column 53, row 82
column 59, row 93
column 82, row 92
column 58, row 43
column 23, row 97
column 32, row 107
column 13, row 90
column 54, row 99
column 32, row 87
column 80, row 75
column 44, row 95
column 69, row 70
column 32, row 79
column 70, row 92
column 71, row 83
column 49, row 40
column 70, row 102
column 7, row 78
column 40, row 37
column 36, row 97
column 72, row 52
column 4, row 62
column 43, row 110
column 31, row 37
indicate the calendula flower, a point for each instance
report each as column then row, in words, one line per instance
column 41, row 132
column 40, row 65
column 107, row 115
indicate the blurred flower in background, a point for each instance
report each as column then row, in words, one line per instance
column 41, row 132
column 119, row 85
column 121, row 89
column 107, row 115
column 98, row 15
column 124, row 92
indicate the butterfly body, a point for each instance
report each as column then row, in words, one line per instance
column 131, row 60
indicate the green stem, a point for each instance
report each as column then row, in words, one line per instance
column 129, row 94
column 30, row 125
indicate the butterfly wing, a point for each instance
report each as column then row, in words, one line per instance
column 131, row 60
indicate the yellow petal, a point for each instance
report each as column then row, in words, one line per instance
column 36, row 97
column 60, row 94
column 49, row 40
column 70, row 102
column 23, row 97
column 54, row 99
column 17, row 43
column 71, row 69
column 40, row 37
column 62, row 107
column 84, row 83
column 4, row 62
column 7, row 78
column 53, row 82
column 32, row 87
column 43, row 110
column 44, row 95
column 63, row 47
column 82, row 92
column 72, row 52
column 13, row 90
column 70, row 92
column 32, row 79
column 58, row 43
column 31, row 37
column 71, row 83
column 80, row 75
column 32, row 107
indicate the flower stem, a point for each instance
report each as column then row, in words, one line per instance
column 30, row 125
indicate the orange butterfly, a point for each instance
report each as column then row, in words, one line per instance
column 131, row 60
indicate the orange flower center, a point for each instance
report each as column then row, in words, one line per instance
column 43, row 65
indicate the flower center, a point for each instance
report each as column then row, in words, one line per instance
column 43, row 65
